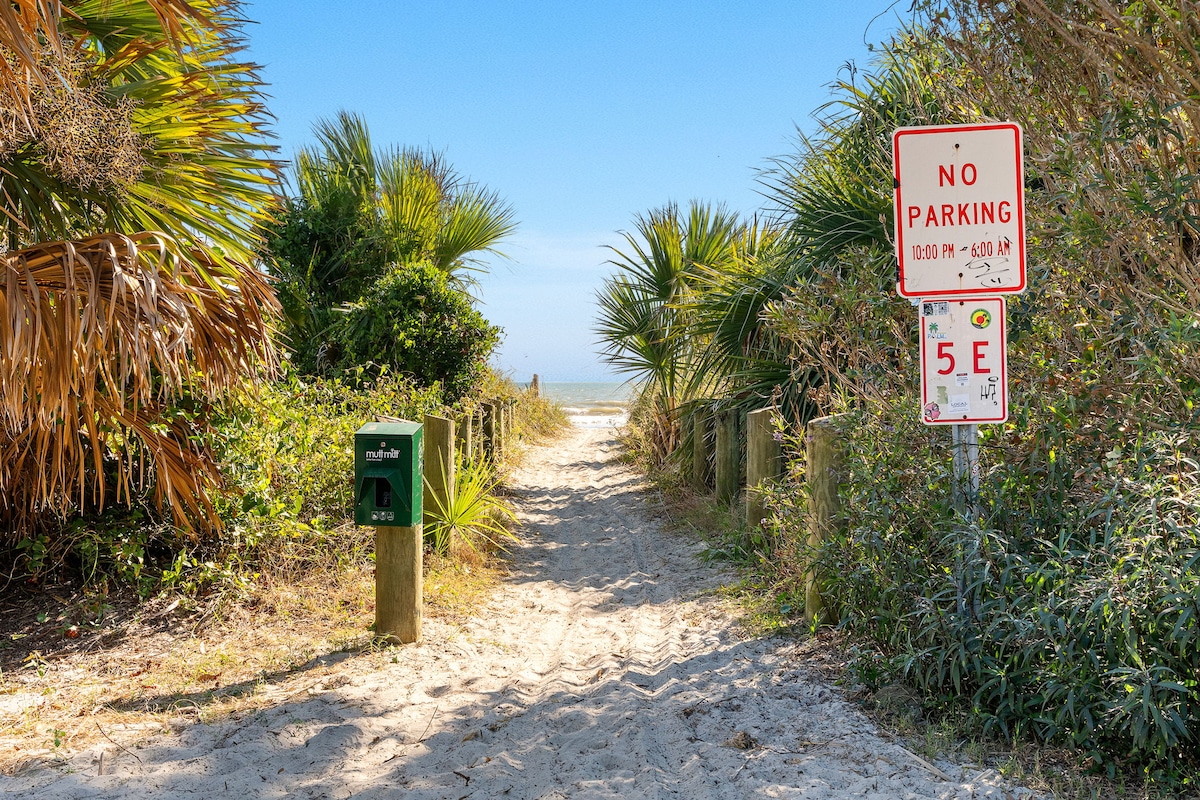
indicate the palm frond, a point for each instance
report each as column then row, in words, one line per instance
column 171, row 69
column 645, row 310
column 473, row 512
column 474, row 221
column 409, row 202
column 411, row 197
column 101, row 337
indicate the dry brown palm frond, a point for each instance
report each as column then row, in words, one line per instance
column 24, row 25
column 100, row 337
column 45, row 469
column 31, row 44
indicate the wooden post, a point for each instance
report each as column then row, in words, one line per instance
column 488, row 431
column 535, row 388
column 505, row 417
column 398, row 578
column 507, row 407
column 825, row 464
column 476, row 446
column 439, row 465
column 499, row 429
column 464, row 439
column 689, row 435
column 702, row 466
column 728, row 463
column 764, row 462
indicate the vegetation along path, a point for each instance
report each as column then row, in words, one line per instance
column 606, row 667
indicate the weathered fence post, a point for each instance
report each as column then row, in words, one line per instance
column 399, row 582
column 463, row 437
column 439, row 465
column 728, row 456
column 535, row 387
column 510, row 421
column 491, row 431
column 702, row 469
column 688, row 434
column 764, row 462
column 824, row 468
column 501, row 427
column 477, row 446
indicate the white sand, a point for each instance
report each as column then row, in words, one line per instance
column 602, row 669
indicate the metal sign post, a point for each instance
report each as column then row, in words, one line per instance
column 966, row 471
column 964, row 382
column 966, row 504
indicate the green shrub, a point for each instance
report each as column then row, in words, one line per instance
column 413, row 321
column 287, row 456
column 121, row 547
column 321, row 254
column 289, row 451
column 1072, row 613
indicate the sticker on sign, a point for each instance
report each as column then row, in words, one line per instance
column 964, row 364
column 959, row 209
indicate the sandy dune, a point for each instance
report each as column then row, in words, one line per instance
column 604, row 668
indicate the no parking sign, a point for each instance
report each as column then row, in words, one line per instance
column 959, row 210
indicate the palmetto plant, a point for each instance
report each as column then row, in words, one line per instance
column 645, row 320
column 817, row 286
column 473, row 515
column 413, row 202
column 743, row 359
column 133, row 167
column 701, row 321
column 359, row 210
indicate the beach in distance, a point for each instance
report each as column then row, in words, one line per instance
column 594, row 404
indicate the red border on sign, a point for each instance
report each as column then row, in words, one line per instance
column 897, row 204
column 995, row 420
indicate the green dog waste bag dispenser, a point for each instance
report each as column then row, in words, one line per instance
column 388, row 474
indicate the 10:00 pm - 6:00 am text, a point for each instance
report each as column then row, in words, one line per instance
column 933, row 252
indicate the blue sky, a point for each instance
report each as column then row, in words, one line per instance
column 581, row 115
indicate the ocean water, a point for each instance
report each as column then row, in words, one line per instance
column 592, row 405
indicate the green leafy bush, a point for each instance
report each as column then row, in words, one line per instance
column 1067, row 611
column 287, row 456
column 289, row 450
column 322, row 254
column 413, row 321
column 123, row 546
column 1070, row 614
column 359, row 212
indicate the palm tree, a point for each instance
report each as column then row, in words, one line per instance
column 644, row 324
column 411, row 201
column 829, row 206
column 741, row 358
column 433, row 214
column 133, row 170
column 359, row 211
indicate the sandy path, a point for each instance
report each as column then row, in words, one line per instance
column 602, row 669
